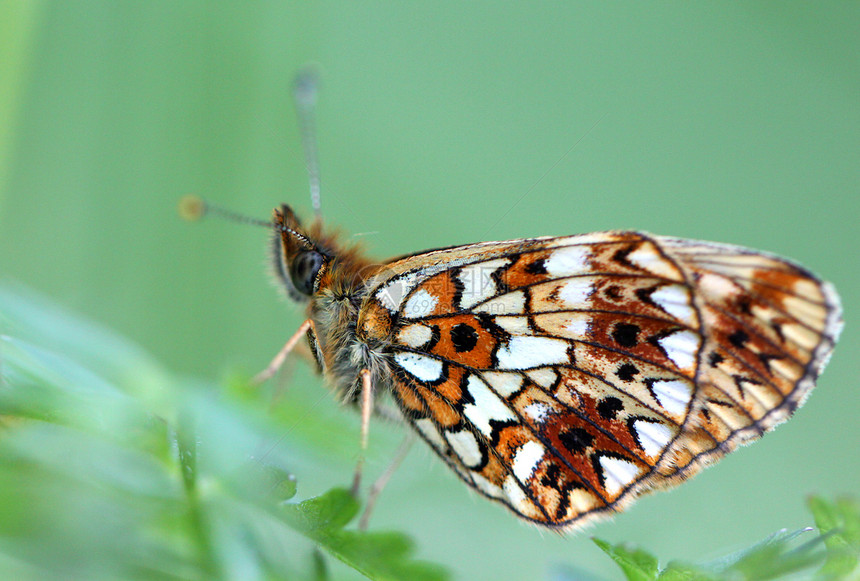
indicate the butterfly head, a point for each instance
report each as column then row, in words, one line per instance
column 300, row 261
column 310, row 260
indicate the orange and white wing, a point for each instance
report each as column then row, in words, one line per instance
column 564, row 376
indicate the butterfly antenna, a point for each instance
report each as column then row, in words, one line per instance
column 305, row 91
column 193, row 208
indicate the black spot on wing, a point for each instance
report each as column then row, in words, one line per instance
column 626, row 334
column 621, row 256
column 463, row 337
column 739, row 338
column 644, row 295
column 626, row 372
column 576, row 440
column 552, row 475
column 744, row 305
column 609, row 407
column 715, row 358
column 537, row 267
column 613, row 292
column 498, row 278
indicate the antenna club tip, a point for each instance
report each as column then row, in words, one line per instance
column 306, row 86
column 192, row 207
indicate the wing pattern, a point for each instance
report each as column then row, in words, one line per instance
column 564, row 376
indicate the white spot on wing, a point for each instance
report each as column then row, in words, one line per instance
column 674, row 395
column 581, row 500
column 653, row 436
column 590, row 238
column 578, row 327
column 514, row 325
column 420, row 304
column 478, row 283
column 526, row 460
column 647, row 258
column 617, row 474
column 544, row 377
column 512, row 303
column 800, row 335
column 681, row 348
column 486, row 486
column 714, row 285
column 465, row 446
column 527, row 352
column 391, row 295
column 784, row 368
column 536, row 412
column 575, row 293
column 428, row 428
column 415, row 335
column 568, row 261
column 487, row 407
column 423, row 367
column 676, row 301
column 516, row 496
column 503, row 383
column 808, row 313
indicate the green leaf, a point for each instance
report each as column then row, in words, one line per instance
column 778, row 556
column 678, row 571
column 637, row 564
column 329, row 512
column 281, row 484
column 377, row 555
column 839, row 524
column 116, row 361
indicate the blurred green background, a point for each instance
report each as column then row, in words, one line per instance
column 439, row 123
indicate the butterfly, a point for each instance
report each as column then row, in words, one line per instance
column 562, row 377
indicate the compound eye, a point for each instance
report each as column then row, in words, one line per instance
column 304, row 269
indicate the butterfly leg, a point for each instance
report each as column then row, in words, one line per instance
column 366, row 409
column 379, row 484
column 278, row 361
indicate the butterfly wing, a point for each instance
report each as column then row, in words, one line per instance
column 563, row 376
column 770, row 326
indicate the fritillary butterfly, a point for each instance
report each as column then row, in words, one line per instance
column 563, row 377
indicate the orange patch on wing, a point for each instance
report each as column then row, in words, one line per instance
column 407, row 396
column 441, row 410
column 462, row 331
column 638, row 336
column 441, row 287
column 526, row 270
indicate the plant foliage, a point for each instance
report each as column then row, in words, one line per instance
column 111, row 468
column 830, row 555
